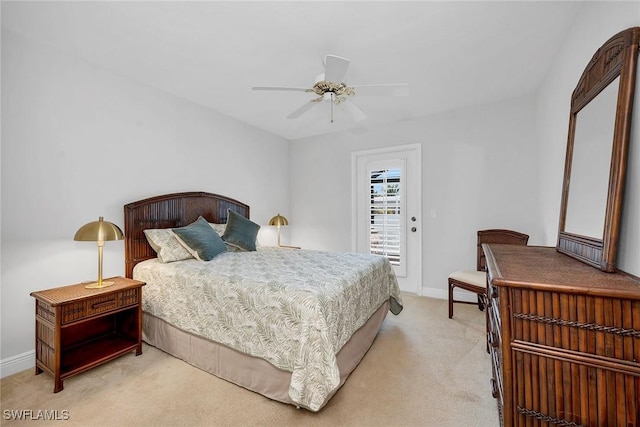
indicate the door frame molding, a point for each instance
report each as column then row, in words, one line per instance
column 355, row 155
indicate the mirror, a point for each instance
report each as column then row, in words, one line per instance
column 587, row 200
column 597, row 145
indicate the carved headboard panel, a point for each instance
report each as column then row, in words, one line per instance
column 168, row 211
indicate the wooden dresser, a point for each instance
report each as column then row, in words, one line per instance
column 564, row 340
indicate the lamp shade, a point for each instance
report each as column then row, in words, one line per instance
column 98, row 231
column 278, row 220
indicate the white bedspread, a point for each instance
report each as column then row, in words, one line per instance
column 293, row 308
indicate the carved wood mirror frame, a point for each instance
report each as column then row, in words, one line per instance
column 616, row 58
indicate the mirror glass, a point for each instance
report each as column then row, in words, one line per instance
column 589, row 179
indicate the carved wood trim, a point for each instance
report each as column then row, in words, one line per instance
column 604, row 67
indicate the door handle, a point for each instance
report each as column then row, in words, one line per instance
column 414, row 229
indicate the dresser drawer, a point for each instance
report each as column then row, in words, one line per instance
column 563, row 391
column 607, row 327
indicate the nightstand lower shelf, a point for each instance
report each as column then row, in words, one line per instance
column 91, row 353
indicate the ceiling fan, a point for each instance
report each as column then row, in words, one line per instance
column 331, row 86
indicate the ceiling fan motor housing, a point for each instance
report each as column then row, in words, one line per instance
column 340, row 90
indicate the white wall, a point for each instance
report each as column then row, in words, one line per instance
column 79, row 142
column 593, row 25
column 498, row 165
column 479, row 171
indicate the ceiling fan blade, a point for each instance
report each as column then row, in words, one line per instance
column 335, row 68
column 300, row 111
column 400, row 89
column 356, row 113
column 290, row 89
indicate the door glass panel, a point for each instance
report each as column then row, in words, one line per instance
column 384, row 211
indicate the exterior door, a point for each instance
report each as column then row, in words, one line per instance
column 387, row 210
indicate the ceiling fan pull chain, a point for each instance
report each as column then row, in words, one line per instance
column 331, row 107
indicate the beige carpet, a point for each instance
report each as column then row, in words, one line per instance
column 423, row 370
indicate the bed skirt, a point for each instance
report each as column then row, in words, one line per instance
column 250, row 372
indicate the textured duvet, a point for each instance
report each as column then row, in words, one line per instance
column 293, row 308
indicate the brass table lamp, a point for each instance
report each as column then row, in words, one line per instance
column 99, row 231
column 278, row 221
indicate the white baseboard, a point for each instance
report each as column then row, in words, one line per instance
column 459, row 295
column 20, row 362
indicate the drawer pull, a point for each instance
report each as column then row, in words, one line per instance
column 624, row 332
column 103, row 304
column 494, row 291
column 494, row 389
column 493, row 339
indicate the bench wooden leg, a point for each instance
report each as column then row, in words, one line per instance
column 450, row 300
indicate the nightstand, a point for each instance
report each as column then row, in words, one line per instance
column 78, row 329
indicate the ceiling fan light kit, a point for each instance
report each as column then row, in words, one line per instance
column 331, row 83
column 340, row 90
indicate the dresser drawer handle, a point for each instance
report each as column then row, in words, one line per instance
column 102, row 304
column 494, row 291
column 494, row 389
column 493, row 339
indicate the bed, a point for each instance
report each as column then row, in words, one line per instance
column 289, row 324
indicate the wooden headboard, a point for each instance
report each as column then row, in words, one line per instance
column 168, row 211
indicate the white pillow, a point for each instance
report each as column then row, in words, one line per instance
column 219, row 228
column 164, row 242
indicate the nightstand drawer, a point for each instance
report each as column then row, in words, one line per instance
column 128, row 297
column 78, row 310
column 102, row 304
column 74, row 311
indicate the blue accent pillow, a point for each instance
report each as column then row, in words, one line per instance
column 200, row 240
column 240, row 232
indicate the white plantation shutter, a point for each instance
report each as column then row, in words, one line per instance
column 384, row 209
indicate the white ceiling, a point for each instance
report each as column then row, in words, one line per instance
column 452, row 54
